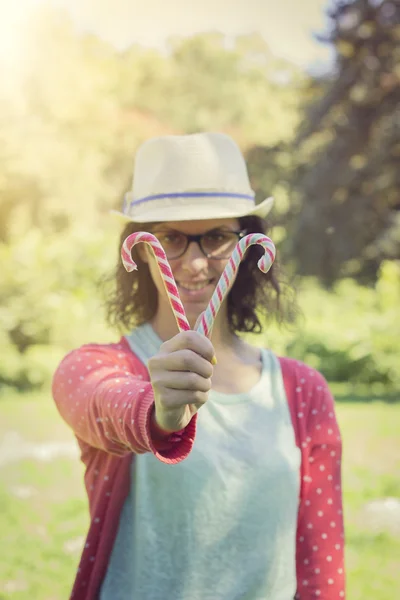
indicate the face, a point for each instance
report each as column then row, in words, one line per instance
column 196, row 275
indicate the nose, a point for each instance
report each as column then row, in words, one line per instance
column 194, row 260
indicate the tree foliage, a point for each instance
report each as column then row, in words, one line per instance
column 346, row 182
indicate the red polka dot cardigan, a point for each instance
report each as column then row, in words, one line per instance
column 103, row 393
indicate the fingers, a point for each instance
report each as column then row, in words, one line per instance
column 190, row 340
column 177, row 398
column 178, row 380
column 183, row 360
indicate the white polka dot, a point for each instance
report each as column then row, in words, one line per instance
column 337, row 546
column 322, row 468
column 298, row 389
column 333, row 524
column 314, row 412
column 341, row 594
column 301, row 539
column 309, row 526
column 307, row 502
column 324, row 536
column 330, row 477
column 300, row 415
column 319, row 491
column 315, row 548
column 333, row 453
column 318, row 427
column 330, row 431
column 87, row 545
column 302, row 380
column 92, row 559
column 329, row 558
column 306, row 561
column 106, row 478
column 317, row 592
column 340, row 571
column 330, row 501
column 316, row 571
column 330, row 581
column 305, row 582
column 311, row 459
column 320, row 513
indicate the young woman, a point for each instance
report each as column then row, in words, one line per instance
column 205, row 480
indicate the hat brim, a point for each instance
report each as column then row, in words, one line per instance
column 194, row 212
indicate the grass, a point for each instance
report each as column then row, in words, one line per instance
column 43, row 515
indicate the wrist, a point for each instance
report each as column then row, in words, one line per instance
column 157, row 432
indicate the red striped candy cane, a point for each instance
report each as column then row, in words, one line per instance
column 228, row 276
column 165, row 270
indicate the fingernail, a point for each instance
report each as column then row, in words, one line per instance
column 214, row 360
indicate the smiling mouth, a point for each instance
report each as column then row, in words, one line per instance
column 193, row 287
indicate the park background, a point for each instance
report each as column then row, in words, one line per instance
column 309, row 90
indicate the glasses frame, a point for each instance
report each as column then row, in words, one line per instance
column 198, row 239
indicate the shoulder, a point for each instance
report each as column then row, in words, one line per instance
column 90, row 356
column 297, row 374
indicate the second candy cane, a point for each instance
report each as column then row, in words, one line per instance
column 228, row 276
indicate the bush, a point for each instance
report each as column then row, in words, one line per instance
column 350, row 334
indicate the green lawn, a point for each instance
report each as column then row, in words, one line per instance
column 43, row 507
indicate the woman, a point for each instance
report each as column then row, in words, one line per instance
column 206, row 480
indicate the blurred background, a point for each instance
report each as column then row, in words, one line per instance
column 310, row 91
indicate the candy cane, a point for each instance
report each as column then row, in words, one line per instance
column 165, row 270
column 228, row 276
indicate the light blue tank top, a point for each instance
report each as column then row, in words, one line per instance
column 221, row 524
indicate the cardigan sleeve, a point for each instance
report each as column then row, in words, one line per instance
column 102, row 393
column 320, row 534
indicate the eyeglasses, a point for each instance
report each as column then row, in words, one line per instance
column 218, row 243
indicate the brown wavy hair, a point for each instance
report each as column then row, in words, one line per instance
column 254, row 299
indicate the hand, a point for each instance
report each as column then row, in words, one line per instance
column 180, row 374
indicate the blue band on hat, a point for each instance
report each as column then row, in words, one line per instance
column 186, row 195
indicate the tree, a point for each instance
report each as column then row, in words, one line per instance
column 346, row 216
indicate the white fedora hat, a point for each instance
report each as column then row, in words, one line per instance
column 190, row 177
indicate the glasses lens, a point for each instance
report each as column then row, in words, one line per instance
column 174, row 243
column 219, row 244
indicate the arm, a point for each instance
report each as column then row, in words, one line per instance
column 320, row 534
column 110, row 407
